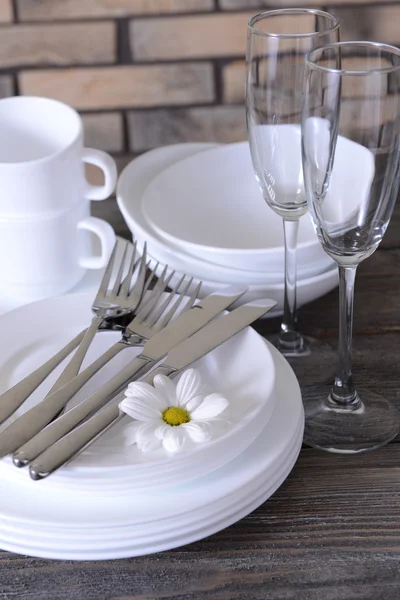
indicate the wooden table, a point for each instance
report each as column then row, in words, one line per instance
column 331, row 532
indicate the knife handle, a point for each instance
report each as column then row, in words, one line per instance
column 80, row 438
column 13, row 398
column 73, row 366
column 67, row 421
column 35, row 419
column 76, row 441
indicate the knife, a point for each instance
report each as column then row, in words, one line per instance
column 193, row 348
column 34, row 420
column 15, row 396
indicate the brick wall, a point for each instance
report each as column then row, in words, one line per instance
column 149, row 72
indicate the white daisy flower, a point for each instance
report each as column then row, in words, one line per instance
column 169, row 413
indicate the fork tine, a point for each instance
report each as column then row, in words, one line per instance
column 163, row 322
column 149, row 279
column 193, row 297
column 107, row 275
column 126, row 283
column 150, row 276
column 118, row 277
column 139, row 283
column 155, row 294
column 157, row 311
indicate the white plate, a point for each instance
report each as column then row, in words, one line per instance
column 210, row 206
column 98, row 528
column 241, row 369
column 132, row 184
column 308, row 290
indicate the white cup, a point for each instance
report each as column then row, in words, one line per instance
column 45, row 199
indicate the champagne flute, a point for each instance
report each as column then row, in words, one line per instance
column 351, row 126
column 277, row 43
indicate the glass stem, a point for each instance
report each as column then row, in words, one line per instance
column 289, row 339
column 343, row 391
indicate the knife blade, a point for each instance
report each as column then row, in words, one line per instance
column 187, row 352
column 33, row 422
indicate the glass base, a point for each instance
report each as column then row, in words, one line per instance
column 314, row 365
column 369, row 423
column 292, row 343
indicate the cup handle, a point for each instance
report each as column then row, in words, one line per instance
column 107, row 165
column 106, row 234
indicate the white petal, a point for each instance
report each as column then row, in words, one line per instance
column 188, row 386
column 145, row 437
column 212, row 406
column 162, row 431
column 129, row 433
column 138, row 409
column 194, row 403
column 166, row 388
column 146, row 392
column 198, row 431
column 174, row 440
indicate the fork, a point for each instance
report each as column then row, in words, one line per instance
column 147, row 324
column 136, row 333
column 108, row 306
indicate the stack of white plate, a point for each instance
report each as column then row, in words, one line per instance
column 114, row 501
column 201, row 212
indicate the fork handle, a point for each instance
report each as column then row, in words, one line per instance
column 66, row 422
column 31, row 422
column 12, row 399
column 72, row 368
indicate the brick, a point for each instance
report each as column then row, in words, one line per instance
column 6, row 11
column 149, row 129
column 353, row 86
column 215, row 35
column 78, row 43
column 233, row 77
column 104, row 131
column 368, row 114
column 6, row 86
column 189, row 37
column 123, row 87
column 48, row 10
column 267, row 5
column 378, row 23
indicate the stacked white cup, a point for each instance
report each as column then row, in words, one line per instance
column 45, row 245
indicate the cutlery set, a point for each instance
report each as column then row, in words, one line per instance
column 173, row 331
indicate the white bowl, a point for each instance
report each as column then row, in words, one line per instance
column 210, row 206
column 132, row 184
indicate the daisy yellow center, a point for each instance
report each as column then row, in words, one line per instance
column 174, row 415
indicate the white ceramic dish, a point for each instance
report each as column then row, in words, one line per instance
column 69, row 527
column 210, row 206
column 205, row 270
column 241, row 369
column 308, row 290
column 131, row 187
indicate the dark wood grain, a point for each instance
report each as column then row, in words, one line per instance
column 331, row 532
